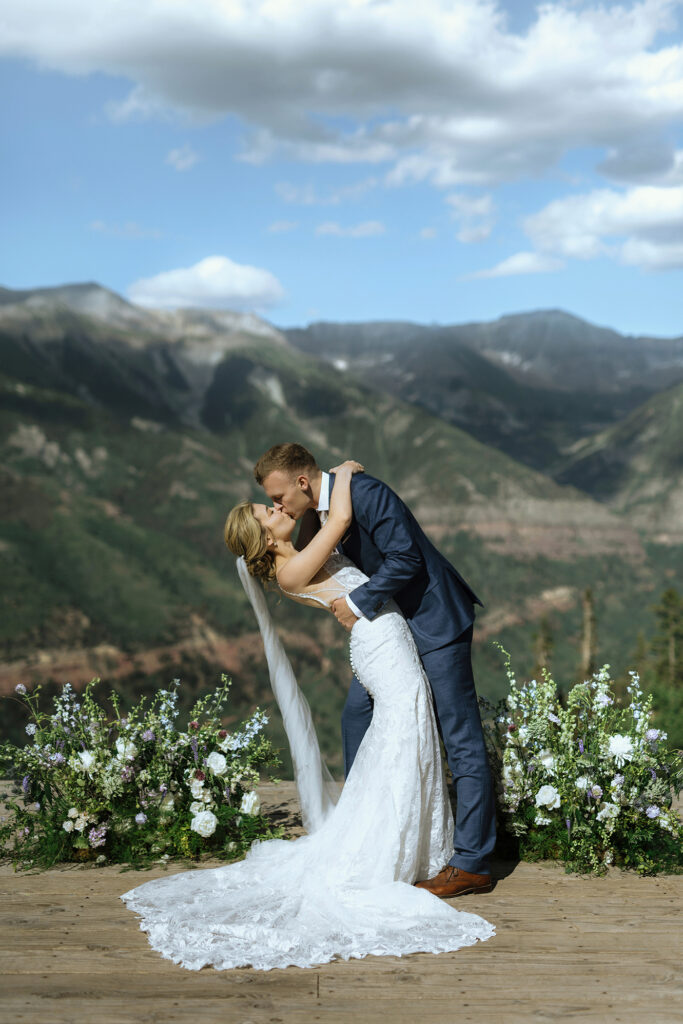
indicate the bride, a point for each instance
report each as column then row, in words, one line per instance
column 346, row 889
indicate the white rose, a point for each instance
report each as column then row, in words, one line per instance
column 196, row 807
column 251, row 803
column 620, row 748
column 125, row 749
column 87, row 759
column 217, row 763
column 607, row 812
column 207, row 797
column 72, row 813
column 548, row 796
column 197, row 789
column 547, row 760
column 80, row 823
column 68, row 825
column 204, row 823
column 583, row 783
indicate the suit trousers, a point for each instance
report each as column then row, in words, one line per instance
column 449, row 670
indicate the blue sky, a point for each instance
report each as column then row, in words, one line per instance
column 349, row 159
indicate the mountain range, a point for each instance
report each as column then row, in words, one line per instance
column 530, row 384
column 126, row 434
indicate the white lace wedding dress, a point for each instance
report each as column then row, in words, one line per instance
column 345, row 890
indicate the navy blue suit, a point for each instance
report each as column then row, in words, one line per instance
column 387, row 543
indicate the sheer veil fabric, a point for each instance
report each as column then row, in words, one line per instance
column 344, row 890
column 315, row 786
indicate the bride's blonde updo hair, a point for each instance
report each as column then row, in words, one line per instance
column 245, row 536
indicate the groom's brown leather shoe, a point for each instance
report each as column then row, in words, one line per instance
column 452, row 881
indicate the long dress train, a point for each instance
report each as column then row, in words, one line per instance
column 345, row 890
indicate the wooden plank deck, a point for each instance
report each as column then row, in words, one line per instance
column 567, row 948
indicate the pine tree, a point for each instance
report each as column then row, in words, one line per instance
column 667, row 644
column 544, row 644
column 588, row 637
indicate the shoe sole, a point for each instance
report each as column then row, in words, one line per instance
column 473, row 891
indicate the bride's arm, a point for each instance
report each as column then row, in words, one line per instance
column 300, row 570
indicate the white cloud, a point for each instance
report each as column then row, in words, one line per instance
column 213, row 282
column 182, row 159
column 367, row 229
column 307, row 195
column 520, row 263
column 474, row 214
column 440, row 92
column 427, row 234
column 649, row 161
column 130, row 230
column 640, row 226
column 280, row 227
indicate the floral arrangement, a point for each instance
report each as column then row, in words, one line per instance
column 584, row 780
column 133, row 789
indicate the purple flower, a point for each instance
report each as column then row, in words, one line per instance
column 57, row 758
column 98, row 836
column 568, row 822
column 128, row 773
column 25, row 782
column 652, row 735
column 193, row 744
column 141, row 818
column 148, row 735
column 581, row 746
column 652, row 811
column 596, row 792
column 653, row 773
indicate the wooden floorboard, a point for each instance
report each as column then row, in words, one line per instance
column 566, row 948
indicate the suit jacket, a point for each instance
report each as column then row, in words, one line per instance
column 388, row 545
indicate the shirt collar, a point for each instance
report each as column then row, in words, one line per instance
column 324, row 500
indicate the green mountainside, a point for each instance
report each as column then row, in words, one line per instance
column 530, row 384
column 636, row 466
column 125, row 437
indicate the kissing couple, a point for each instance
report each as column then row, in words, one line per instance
column 367, row 877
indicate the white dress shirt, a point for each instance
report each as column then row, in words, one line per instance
column 323, row 511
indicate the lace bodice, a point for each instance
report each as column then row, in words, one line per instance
column 343, row 575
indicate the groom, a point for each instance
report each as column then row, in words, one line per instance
column 387, row 544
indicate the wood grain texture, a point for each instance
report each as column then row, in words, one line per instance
column 567, row 948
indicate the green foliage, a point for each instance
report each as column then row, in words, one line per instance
column 585, row 781
column 134, row 789
column 660, row 664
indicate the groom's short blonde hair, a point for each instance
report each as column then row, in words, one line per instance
column 289, row 458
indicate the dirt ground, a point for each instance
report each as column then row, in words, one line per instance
column 566, row 948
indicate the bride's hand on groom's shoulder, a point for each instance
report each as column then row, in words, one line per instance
column 351, row 464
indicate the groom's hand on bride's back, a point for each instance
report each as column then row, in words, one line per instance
column 343, row 613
